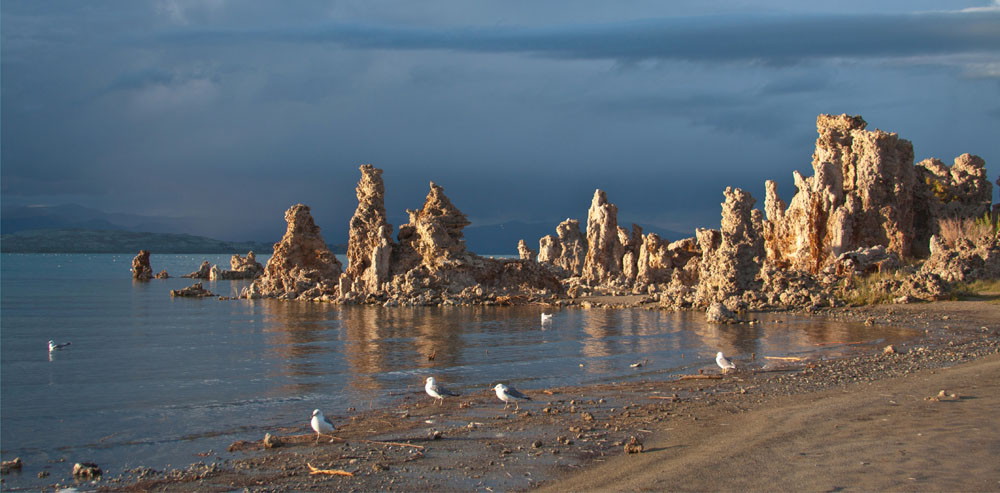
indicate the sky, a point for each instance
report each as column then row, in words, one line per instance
column 225, row 113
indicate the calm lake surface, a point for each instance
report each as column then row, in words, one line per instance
column 151, row 380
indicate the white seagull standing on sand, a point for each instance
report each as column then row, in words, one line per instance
column 508, row 395
column 321, row 425
column 724, row 363
column 55, row 347
column 436, row 391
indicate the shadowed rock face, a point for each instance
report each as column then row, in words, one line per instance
column 370, row 244
column 861, row 195
column 603, row 262
column 525, row 253
column 948, row 192
column 631, row 244
column 141, row 269
column 302, row 266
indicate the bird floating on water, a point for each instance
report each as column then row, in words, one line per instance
column 55, row 347
column 436, row 391
column 321, row 425
column 546, row 317
column 509, row 394
column 724, row 363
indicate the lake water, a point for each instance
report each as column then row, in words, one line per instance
column 153, row 380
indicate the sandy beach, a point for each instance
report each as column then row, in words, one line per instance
column 864, row 421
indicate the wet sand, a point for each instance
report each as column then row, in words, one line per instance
column 861, row 422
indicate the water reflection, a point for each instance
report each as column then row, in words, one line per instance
column 365, row 353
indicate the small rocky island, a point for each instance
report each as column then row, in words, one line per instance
column 867, row 209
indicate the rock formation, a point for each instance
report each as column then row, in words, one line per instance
column 968, row 260
column 433, row 236
column 203, row 272
column 945, row 192
column 141, row 269
column 731, row 257
column 370, row 244
column 631, row 244
column 195, row 290
column 659, row 262
column 603, row 262
column 567, row 250
column 162, row 274
column 861, row 195
column 525, row 253
column 240, row 268
column 302, row 266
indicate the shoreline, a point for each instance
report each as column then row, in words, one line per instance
column 572, row 434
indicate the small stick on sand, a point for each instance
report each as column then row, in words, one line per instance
column 700, row 377
column 328, row 472
column 783, row 358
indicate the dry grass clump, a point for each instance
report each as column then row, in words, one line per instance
column 873, row 289
column 953, row 229
column 988, row 288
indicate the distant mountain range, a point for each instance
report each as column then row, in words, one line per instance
column 109, row 241
column 78, row 229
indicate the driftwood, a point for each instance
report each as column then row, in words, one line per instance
column 700, row 377
column 784, row 358
column 328, row 472
column 839, row 342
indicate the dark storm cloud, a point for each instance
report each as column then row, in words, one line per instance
column 776, row 38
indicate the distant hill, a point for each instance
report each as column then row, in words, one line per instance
column 102, row 241
column 109, row 241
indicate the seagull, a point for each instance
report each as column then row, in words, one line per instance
column 724, row 363
column 321, row 425
column 508, row 394
column 55, row 347
column 436, row 391
column 546, row 317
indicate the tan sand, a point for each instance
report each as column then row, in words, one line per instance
column 881, row 436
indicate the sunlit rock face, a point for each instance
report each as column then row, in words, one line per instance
column 603, row 262
column 433, row 236
column 731, row 257
column 141, row 269
column 302, row 266
column 370, row 244
column 567, row 250
column 861, row 195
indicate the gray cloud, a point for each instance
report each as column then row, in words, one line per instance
column 772, row 38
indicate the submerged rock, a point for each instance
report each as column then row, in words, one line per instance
column 718, row 313
column 195, row 290
column 86, row 470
